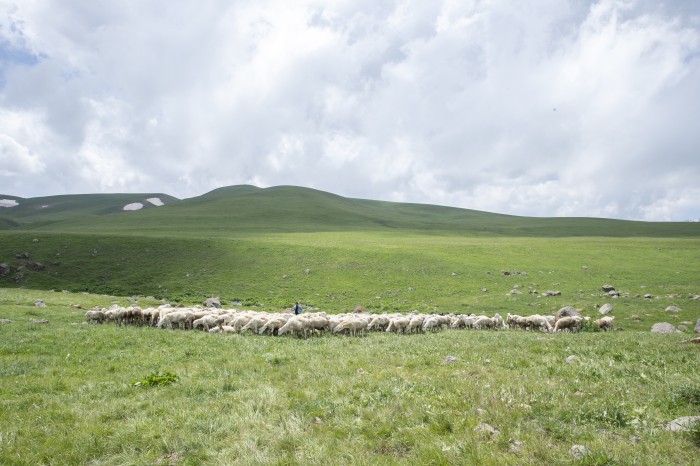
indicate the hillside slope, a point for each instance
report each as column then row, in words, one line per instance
column 236, row 210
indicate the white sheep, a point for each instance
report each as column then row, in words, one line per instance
column 208, row 321
column 571, row 324
column 295, row 325
column 95, row 316
column 538, row 322
column 398, row 324
column 352, row 326
column 606, row 323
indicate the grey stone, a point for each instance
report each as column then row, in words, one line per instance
column 579, row 451
column 663, row 327
column 673, row 309
column 697, row 326
column 5, row 321
column 682, row 424
column 487, row 428
column 567, row 311
column 607, row 288
column 39, row 303
column 213, row 302
column 606, row 308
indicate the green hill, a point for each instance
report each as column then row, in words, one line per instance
column 236, row 210
column 43, row 212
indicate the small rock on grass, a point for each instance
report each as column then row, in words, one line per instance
column 487, row 428
column 683, row 424
column 579, row 451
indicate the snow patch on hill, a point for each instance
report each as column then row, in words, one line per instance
column 133, row 206
column 155, row 201
column 8, row 203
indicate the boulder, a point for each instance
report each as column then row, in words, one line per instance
column 567, row 311
column 213, row 302
column 4, row 269
column 663, row 327
column 682, row 424
column 614, row 293
column 673, row 309
column 579, row 452
column 607, row 288
column 5, row 321
column 697, row 326
column 23, row 255
column 606, row 308
column 39, row 303
column 648, row 296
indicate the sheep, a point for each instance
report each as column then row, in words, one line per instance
column 115, row 314
column 318, row 322
column 95, row 316
column 415, row 324
column 254, row 324
column 273, row 325
column 483, row 322
column 457, row 322
column 606, row 323
column 379, row 323
column 538, row 322
column 498, row 322
column 183, row 319
column 431, row 324
column 207, row 322
column 398, row 324
column 351, row 326
column 295, row 325
column 571, row 324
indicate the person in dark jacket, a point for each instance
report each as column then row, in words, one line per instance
column 297, row 308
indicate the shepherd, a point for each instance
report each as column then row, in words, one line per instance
column 297, row 308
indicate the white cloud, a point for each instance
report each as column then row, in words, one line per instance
column 548, row 107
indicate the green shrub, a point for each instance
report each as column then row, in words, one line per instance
column 157, row 379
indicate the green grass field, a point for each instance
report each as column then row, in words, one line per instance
column 67, row 390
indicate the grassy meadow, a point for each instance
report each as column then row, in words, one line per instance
column 68, row 393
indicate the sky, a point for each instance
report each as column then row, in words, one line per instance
column 537, row 108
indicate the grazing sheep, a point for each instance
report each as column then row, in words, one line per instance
column 318, row 322
column 379, row 323
column 295, row 325
column 538, row 322
column 498, row 322
column 571, row 324
column 255, row 324
column 273, row 325
column 415, row 324
column 483, row 322
column 351, row 326
column 431, row 324
column 398, row 324
column 183, row 320
column 95, row 316
column 605, row 323
column 208, row 321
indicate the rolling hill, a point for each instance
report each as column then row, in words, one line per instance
column 235, row 210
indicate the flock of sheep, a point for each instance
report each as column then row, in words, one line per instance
column 214, row 320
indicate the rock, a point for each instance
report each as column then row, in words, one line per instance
column 571, row 359
column 614, row 293
column 23, row 255
column 663, row 327
column 692, row 340
column 5, row 269
column 648, row 296
column 697, row 327
column 484, row 290
column 515, row 292
column 39, row 303
column 607, row 288
column 567, row 311
column 37, row 266
column 5, row 321
column 606, row 308
column 505, row 272
column 35, row 240
column 489, row 429
column 682, row 424
column 682, row 328
column 516, row 446
column 213, row 302
column 450, row 359
column 579, row 451
column 39, row 321
column 673, row 309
